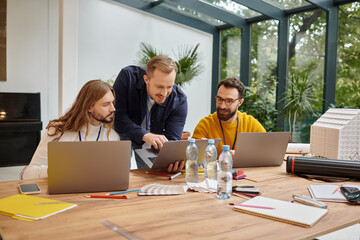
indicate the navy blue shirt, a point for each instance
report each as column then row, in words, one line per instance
column 166, row 119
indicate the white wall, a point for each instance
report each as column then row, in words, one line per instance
column 109, row 37
column 28, row 55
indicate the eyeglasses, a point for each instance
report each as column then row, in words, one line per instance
column 227, row 101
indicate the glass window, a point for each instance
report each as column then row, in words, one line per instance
column 260, row 97
column 151, row 1
column 306, row 71
column 287, row 4
column 348, row 64
column 233, row 7
column 191, row 13
column 230, row 53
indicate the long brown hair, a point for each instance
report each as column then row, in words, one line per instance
column 78, row 115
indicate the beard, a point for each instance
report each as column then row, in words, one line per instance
column 106, row 119
column 225, row 116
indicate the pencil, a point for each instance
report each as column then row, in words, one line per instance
column 337, row 189
column 243, row 186
column 248, row 194
column 106, row 196
column 309, row 201
column 115, row 193
column 250, row 179
column 159, row 174
column 251, row 206
column 241, row 196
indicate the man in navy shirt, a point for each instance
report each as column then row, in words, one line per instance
column 150, row 108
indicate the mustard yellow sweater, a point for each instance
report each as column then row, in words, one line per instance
column 209, row 127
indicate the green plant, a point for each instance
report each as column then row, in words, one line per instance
column 145, row 53
column 298, row 100
column 187, row 61
column 259, row 102
column 111, row 80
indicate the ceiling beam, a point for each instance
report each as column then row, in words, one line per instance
column 224, row 26
column 263, row 8
column 212, row 11
column 324, row 4
column 169, row 14
column 338, row 2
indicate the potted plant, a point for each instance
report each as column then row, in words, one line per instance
column 298, row 99
column 187, row 60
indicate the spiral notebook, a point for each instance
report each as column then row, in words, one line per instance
column 328, row 192
column 293, row 213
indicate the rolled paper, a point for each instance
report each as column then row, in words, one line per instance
column 323, row 167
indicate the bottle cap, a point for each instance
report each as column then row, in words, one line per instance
column 226, row 147
column 211, row 141
column 191, row 140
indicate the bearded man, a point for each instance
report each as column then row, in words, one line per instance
column 227, row 121
column 89, row 119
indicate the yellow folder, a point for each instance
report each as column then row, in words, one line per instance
column 30, row 208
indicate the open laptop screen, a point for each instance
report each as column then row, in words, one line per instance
column 260, row 149
column 88, row 166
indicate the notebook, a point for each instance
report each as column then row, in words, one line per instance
column 260, row 149
column 75, row 167
column 170, row 152
column 30, row 208
column 292, row 213
column 327, row 192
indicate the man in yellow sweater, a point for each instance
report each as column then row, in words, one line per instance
column 227, row 121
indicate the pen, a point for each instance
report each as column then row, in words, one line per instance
column 115, row 193
column 251, row 206
column 309, row 201
column 241, row 196
column 106, row 196
column 248, row 194
column 245, row 186
column 159, row 174
column 337, row 189
column 245, row 189
column 175, row 175
column 250, row 179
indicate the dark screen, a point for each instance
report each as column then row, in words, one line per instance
column 20, row 106
column 31, row 187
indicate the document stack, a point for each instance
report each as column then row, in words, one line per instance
column 336, row 134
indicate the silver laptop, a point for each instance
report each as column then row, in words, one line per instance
column 171, row 151
column 260, row 149
column 88, row 166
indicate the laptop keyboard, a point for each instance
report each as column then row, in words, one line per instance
column 152, row 159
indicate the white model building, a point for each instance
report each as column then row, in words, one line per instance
column 336, row 134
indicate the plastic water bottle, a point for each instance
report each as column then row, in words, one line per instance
column 192, row 167
column 210, row 160
column 224, row 187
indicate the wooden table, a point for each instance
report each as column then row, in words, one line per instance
column 190, row 216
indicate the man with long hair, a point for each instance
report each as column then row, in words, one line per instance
column 89, row 119
column 150, row 108
column 227, row 121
